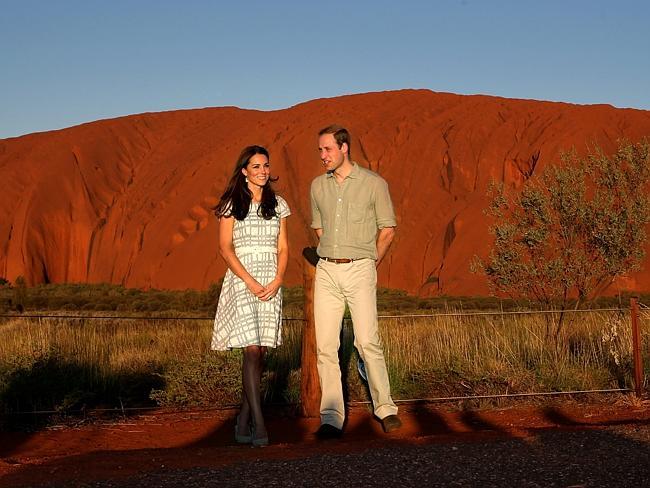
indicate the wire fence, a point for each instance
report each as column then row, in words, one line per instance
column 124, row 410
column 117, row 317
column 301, row 319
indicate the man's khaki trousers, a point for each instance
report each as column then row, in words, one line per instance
column 356, row 284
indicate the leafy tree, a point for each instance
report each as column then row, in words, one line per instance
column 572, row 230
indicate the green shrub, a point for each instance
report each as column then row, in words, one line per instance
column 211, row 379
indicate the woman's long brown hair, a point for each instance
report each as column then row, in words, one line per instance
column 236, row 200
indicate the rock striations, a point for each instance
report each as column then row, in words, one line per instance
column 129, row 200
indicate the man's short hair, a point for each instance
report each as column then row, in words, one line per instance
column 340, row 133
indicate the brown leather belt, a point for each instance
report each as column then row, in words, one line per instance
column 339, row 260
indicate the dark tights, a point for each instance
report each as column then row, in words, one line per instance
column 251, row 409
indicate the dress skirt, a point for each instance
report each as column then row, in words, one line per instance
column 242, row 319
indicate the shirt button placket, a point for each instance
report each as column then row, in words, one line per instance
column 337, row 220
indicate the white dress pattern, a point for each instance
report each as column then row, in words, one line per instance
column 242, row 319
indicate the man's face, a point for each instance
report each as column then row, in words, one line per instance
column 331, row 155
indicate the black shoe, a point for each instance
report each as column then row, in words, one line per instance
column 391, row 423
column 328, row 431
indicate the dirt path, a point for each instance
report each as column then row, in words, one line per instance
column 172, row 448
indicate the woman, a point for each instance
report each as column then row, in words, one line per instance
column 253, row 242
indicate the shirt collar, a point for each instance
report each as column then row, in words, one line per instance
column 353, row 174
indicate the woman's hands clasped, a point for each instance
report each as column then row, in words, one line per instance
column 264, row 293
column 255, row 288
column 271, row 290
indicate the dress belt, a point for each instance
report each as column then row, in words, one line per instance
column 240, row 251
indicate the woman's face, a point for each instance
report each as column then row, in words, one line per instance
column 258, row 170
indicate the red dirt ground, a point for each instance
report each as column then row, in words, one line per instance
column 177, row 440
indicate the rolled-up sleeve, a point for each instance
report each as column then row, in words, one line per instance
column 384, row 211
column 316, row 220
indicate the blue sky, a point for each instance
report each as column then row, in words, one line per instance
column 69, row 62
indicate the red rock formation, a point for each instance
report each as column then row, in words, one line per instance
column 128, row 200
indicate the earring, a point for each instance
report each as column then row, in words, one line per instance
column 246, row 179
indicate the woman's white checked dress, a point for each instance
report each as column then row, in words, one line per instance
column 242, row 319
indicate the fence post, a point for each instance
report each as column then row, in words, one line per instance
column 636, row 347
column 309, row 384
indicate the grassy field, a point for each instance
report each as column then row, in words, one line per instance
column 68, row 364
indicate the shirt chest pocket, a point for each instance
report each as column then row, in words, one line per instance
column 358, row 213
column 361, row 224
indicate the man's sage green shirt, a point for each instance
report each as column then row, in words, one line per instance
column 351, row 213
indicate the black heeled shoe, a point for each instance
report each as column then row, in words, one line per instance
column 242, row 439
column 259, row 441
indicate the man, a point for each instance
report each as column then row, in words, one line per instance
column 353, row 217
